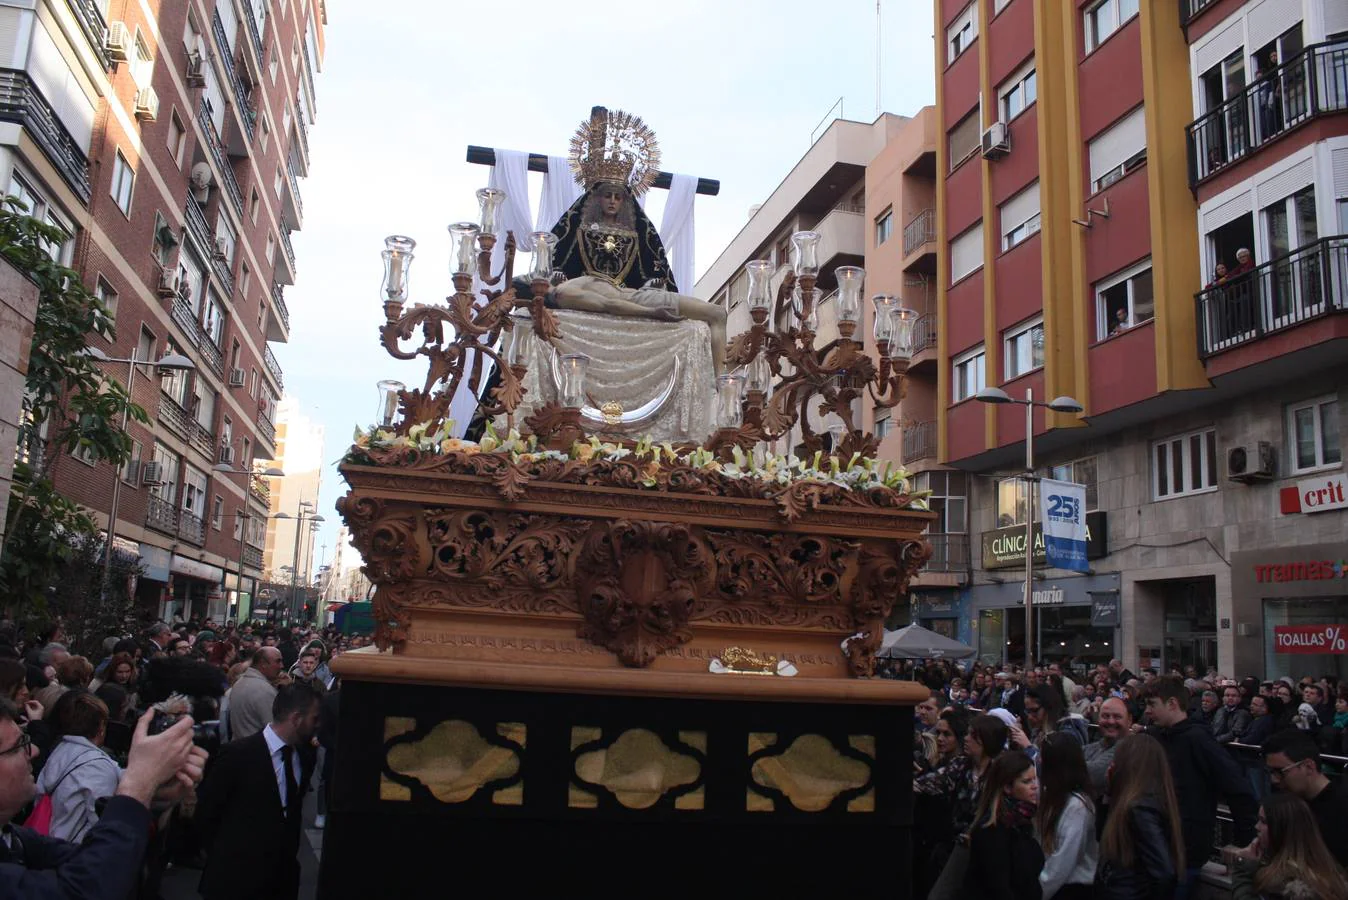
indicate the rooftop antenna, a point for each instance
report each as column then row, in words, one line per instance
column 878, row 31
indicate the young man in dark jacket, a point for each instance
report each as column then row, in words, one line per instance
column 1203, row 772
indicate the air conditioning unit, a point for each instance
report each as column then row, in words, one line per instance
column 152, row 473
column 221, row 248
column 168, row 283
column 227, row 454
column 118, row 42
column 996, row 141
column 147, row 104
column 1253, row 462
column 195, row 77
column 237, row 378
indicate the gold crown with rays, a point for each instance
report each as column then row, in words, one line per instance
column 617, row 147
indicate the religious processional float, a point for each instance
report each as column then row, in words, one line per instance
column 609, row 617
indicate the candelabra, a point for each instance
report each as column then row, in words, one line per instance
column 475, row 327
column 836, row 374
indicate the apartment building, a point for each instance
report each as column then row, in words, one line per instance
column 288, row 549
column 167, row 140
column 1082, row 205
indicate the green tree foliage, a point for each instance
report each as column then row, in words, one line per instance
column 69, row 405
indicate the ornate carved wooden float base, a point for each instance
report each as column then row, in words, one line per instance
column 542, row 715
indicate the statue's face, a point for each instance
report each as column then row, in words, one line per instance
column 610, row 199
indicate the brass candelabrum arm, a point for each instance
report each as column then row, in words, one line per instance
column 486, row 243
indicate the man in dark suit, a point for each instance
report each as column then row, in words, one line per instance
column 250, row 805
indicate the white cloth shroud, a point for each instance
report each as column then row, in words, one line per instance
column 560, row 191
column 676, row 230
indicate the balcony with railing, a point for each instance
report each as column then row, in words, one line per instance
column 161, row 514
column 197, row 226
column 1311, row 84
column 1189, row 9
column 241, row 100
column 259, row 489
column 949, row 553
column 254, row 33
column 295, row 203
column 182, row 423
column 921, row 230
column 218, row 156
column 289, row 249
column 191, row 528
column 278, row 325
column 919, row 441
column 266, row 428
column 186, row 320
column 1305, row 285
column 924, row 343
column 23, row 104
column 273, row 367
column 94, row 26
column 252, row 558
column 842, row 233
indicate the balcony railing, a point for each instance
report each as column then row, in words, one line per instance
column 211, row 354
column 252, row 558
column 1311, row 84
column 182, row 423
column 924, row 333
column 191, row 528
column 273, row 366
column 186, row 320
column 289, row 249
column 266, row 429
column 1189, row 9
column 1309, row 283
column 93, row 25
column 21, row 102
column 294, row 188
column 161, row 514
column 218, row 157
column 227, row 57
column 261, row 491
column 253, row 33
column 949, row 553
column 278, row 300
column 919, row 441
column 197, row 227
column 922, row 230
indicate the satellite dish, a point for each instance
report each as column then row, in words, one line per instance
column 201, row 176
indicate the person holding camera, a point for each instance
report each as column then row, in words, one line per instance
column 107, row 863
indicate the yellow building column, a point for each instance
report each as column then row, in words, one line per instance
column 943, row 244
column 1175, row 270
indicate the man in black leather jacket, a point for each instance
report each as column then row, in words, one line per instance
column 1203, row 772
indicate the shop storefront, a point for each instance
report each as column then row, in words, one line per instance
column 1291, row 611
column 944, row 612
column 195, row 588
column 152, row 584
column 1075, row 618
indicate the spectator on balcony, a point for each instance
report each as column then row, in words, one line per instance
column 1244, row 263
column 1219, row 275
column 1120, row 323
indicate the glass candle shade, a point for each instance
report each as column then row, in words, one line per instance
column 759, row 272
column 397, row 262
column 388, row 402
column 850, row 281
column 759, row 374
column 885, row 304
column 805, row 252
column 489, row 200
column 836, row 431
column 901, row 343
column 521, row 339
column 810, row 320
column 729, row 390
column 544, row 243
column 463, row 238
column 573, row 369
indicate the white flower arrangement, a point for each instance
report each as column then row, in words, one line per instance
column 856, row 473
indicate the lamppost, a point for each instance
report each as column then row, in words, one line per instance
column 172, row 362
column 1057, row 404
column 243, row 515
column 300, row 518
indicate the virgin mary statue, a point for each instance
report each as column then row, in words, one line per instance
column 609, row 251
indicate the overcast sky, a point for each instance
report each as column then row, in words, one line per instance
column 732, row 88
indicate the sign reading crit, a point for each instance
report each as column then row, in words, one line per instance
column 1062, row 506
column 1310, row 639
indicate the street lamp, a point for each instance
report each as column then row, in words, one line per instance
column 300, row 518
column 243, row 515
column 1058, row 404
column 172, row 362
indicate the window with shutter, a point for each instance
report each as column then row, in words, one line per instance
column 966, row 253
column 1118, row 149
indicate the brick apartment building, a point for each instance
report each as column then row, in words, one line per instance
column 1098, row 159
column 167, row 139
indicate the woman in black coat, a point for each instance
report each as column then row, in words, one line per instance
column 1142, row 848
column 1004, row 857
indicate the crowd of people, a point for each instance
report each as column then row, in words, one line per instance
column 96, row 751
column 1068, row 783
